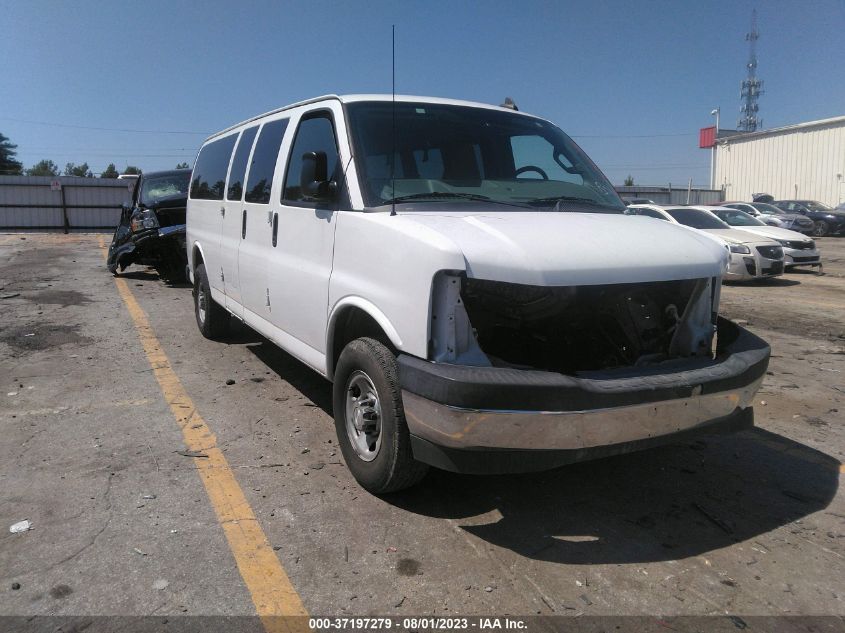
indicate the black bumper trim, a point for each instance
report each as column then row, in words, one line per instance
column 504, row 461
column 742, row 357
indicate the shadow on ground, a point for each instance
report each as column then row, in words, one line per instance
column 305, row 380
column 661, row 504
column 769, row 282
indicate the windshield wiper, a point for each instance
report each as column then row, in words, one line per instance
column 436, row 195
column 449, row 195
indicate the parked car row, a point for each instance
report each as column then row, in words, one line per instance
column 757, row 250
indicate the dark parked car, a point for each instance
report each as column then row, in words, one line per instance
column 152, row 228
column 826, row 221
column 774, row 216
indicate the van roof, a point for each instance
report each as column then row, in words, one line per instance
column 365, row 97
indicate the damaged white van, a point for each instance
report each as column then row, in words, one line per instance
column 467, row 278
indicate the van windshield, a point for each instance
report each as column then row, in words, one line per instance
column 463, row 155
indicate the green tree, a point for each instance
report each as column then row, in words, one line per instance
column 43, row 168
column 131, row 169
column 82, row 170
column 182, row 166
column 110, row 172
column 629, row 181
column 9, row 166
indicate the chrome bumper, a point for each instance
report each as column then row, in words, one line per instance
column 455, row 427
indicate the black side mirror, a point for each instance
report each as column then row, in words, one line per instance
column 314, row 180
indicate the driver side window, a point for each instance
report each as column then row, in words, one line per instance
column 531, row 152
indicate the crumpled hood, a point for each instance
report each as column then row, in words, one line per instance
column 562, row 249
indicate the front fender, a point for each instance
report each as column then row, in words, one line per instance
column 365, row 306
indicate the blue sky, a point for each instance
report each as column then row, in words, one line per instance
column 631, row 81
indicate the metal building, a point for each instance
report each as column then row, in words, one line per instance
column 804, row 161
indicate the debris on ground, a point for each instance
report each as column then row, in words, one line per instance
column 148, row 496
column 10, row 295
column 399, row 604
column 160, row 585
column 139, row 552
column 20, row 526
column 16, row 586
column 230, row 382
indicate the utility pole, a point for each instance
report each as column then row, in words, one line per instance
column 752, row 87
column 715, row 112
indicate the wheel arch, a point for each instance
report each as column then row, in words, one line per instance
column 197, row 258
column 354, row 317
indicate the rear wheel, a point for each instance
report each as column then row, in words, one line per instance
column 370, row 419
column 820, row 228
column 212, row 318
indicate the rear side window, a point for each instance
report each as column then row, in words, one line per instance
column 264, row 162
column 209, row 176
column 238, row 171
column 315, row 134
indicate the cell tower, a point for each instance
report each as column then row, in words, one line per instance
column 752, row 87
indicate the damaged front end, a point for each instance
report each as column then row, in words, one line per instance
column 151, row 232
column 524, row 377
column 571, row 329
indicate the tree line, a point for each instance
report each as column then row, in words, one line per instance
column 11, row 166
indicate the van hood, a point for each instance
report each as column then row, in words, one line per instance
column 735, row 236
column 566, row 249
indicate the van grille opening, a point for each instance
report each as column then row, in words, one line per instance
column 576, row 328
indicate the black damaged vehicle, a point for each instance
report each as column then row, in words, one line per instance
column 152, row 228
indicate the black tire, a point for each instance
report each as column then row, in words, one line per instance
column 393, row 467
column 214, row 324
column 820, row 228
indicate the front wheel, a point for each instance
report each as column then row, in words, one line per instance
column 820, row 228
column 370, row 419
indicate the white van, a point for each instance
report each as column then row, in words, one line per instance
column 468, row 279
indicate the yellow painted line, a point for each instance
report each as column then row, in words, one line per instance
column 269, row 586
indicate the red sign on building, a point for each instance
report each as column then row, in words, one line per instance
column 707, row 137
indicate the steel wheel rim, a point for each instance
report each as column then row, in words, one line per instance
column 202, row 303
column 363, row 416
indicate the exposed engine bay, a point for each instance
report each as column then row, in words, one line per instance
column 572, row 329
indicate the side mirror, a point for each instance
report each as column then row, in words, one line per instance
column 314, row 180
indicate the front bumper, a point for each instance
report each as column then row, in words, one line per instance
column 752, row 266
column 486, row 419
column 801, row 257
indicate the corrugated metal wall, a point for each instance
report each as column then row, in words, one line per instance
column 29, row 202
column 665, row 195
column 805, row 162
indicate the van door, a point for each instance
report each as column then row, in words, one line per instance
column 256, row 224
column 301, row 260
column 230, row 227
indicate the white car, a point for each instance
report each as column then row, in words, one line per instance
column 468, row 280
column 752, row 256
column 798, row 249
